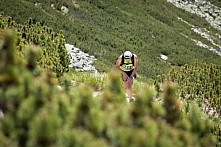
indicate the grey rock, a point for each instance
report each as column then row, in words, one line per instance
column 79, row 60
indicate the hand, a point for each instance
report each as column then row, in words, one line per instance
column 131, row 76
column 130, row 80
column 125, row 77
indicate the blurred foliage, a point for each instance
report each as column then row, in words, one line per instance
column 200, row 84
column 37, row 113
column 39, row 109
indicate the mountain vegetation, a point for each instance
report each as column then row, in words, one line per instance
column 54, row 54
column 45, row 103
column 37, row 113
column 106, row 29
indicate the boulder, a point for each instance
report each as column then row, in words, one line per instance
column 80, row 61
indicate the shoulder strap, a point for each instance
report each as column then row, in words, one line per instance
column 132, row 58
column 122, row 59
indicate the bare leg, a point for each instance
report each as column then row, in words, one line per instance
column 129, row 93
column 128, row 87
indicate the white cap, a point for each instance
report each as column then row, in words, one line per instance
column 127, row 54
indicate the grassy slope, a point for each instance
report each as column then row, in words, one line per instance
column 108, row 28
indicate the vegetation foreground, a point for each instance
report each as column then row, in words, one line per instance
column 44, row 103
column 38, row 113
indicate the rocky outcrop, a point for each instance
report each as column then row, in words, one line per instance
column 79, row 60
column 208, row 11
column 205, row 34
column 201, row 8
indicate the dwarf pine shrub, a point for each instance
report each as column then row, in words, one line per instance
column 199, row 84
column 37, row 114
column 54, row 55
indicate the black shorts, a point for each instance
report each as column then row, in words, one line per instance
column 129, row 74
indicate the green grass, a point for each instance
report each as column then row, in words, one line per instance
column 95, row 80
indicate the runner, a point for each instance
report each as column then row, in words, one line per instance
column 127, row 64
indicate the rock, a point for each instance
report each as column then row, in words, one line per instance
column 164, row 57
column 201, row 8
column 79, row 60
column 1, row 114
column 38, row 4
column 64, row 9
column 208, row 11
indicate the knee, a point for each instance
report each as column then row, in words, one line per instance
column 128, row 87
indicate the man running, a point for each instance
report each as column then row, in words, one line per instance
column 127, row 64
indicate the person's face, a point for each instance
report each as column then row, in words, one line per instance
column 127, row 59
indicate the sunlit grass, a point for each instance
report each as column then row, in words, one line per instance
column 94, row 80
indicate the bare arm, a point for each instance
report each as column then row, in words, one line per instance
column 117, row 65
column 135, row 66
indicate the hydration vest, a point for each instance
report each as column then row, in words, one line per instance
column 127, row 66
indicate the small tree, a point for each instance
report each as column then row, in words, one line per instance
column 171, row 103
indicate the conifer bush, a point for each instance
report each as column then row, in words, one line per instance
column 171, row 103
column 197, row 83
column 36, row 113
column 53, row 51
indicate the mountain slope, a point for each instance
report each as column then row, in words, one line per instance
column 106, row 29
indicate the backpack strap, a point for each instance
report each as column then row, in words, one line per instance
column 122, row 59
column 132, row 58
